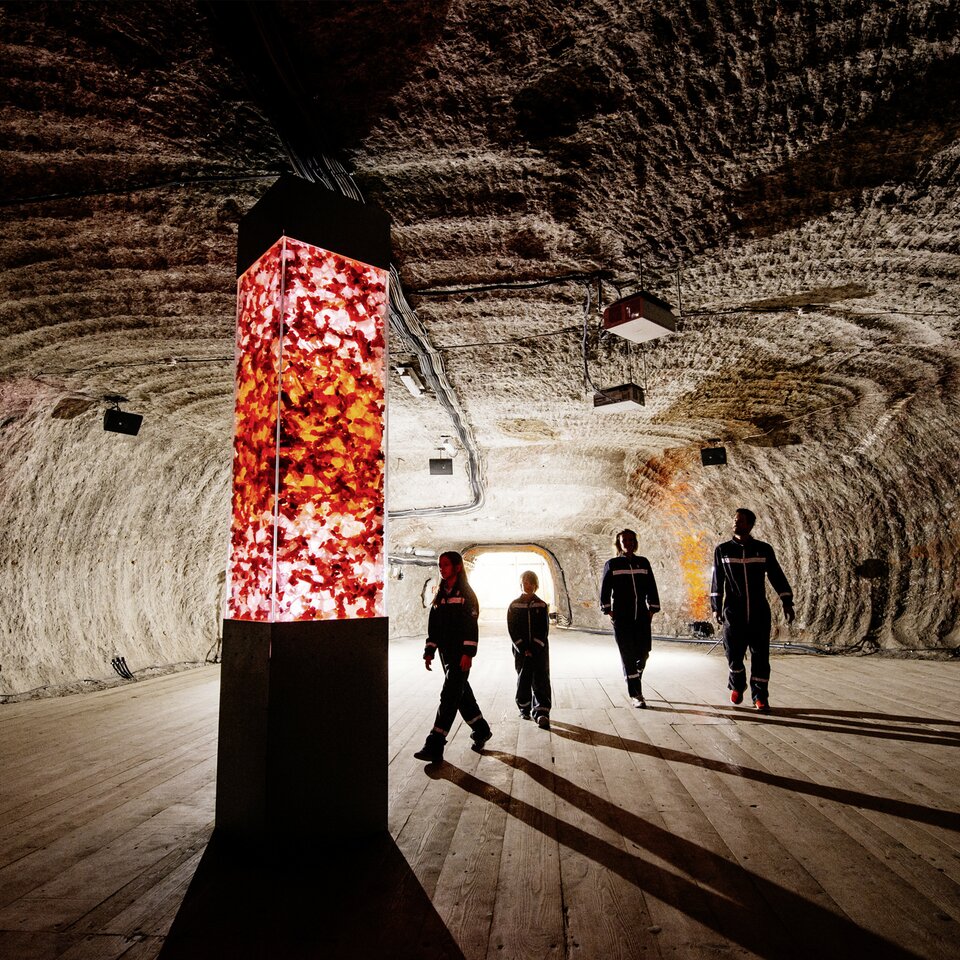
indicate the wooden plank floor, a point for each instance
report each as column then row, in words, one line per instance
column 692, row 829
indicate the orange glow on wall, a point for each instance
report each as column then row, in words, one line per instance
column 695, row 553
column 695, row 566
column 306, row 536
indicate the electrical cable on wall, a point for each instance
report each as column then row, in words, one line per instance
column 406, row 326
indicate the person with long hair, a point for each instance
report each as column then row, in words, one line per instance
column 452, row 633
column 628, row 595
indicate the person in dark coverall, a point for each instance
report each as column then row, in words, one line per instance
column 452, row 632
column 739, row 601
column 528, row 623
column 628, row 595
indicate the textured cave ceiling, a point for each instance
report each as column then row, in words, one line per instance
column 786, row 173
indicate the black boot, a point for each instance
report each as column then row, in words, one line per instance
column 432, row 749
column 639, row 697
column 481, row 734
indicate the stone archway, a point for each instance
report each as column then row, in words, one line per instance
column 559, row 600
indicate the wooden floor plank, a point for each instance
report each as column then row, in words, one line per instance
column 720, row 844
column 528, row 912
column 693, row 830
column 606, row 914
column 683, row 912
column 861, row 885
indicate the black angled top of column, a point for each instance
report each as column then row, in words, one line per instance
column 311, row 213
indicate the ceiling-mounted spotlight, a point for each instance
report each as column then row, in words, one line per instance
column 715, row 456
column 447, row 446
column 626, row 396
column 116, row 420
column 639, row 317
column 411, row 380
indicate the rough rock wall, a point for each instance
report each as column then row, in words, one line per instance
column 409, row 600
column 109, row 547
column 127, row 159
column 796, row 164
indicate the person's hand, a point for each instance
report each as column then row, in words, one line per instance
column 428, row 662
column 465, row 663
column 789, row 612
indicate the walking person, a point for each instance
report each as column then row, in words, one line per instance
column 528, row 623
column 452, row 633
column 739, row 601
column 628, row 595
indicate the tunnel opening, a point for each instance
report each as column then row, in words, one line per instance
column 495, row 576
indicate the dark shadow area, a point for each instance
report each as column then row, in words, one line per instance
column 849, row 722
column 858, row 718
column 890, row 146
column 357, row 902
column 757, row 914
column 948, row 819
column 325, row 73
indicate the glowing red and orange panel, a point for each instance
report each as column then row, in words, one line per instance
column 306, row 538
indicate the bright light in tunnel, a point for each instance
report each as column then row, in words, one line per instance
column 495, row 577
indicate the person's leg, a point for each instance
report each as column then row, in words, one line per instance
column 735, row 647
column 524, row 667
column 623, row 632
column 542, row 699
column 760, row 664
column 473, row 715
column 643, row 644
column 450, row 695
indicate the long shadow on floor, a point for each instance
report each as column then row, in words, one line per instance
column 948, row 819
column 759, row 915
column 878, row 725
column 358, row 902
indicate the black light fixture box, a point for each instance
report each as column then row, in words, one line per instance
column 713, row 456
column 441, row 467
column 120, row 421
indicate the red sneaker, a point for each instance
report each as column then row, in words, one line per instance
column 762, row 706
column 735, row 696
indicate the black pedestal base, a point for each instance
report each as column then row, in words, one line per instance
column 302, row 756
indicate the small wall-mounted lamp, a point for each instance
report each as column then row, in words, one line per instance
column 715, row 456
column 116, row 420
column 442, row 465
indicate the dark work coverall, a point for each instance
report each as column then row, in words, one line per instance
column 739, row 596
column 628, row 592
column 452, row 632
column 528, row 623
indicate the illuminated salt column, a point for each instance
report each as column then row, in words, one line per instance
column 302, row 753
column 306, row 539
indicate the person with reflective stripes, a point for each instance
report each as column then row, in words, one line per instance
column 738, row 597
column 452, row 632
column 528, row 623
column 628, row 595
